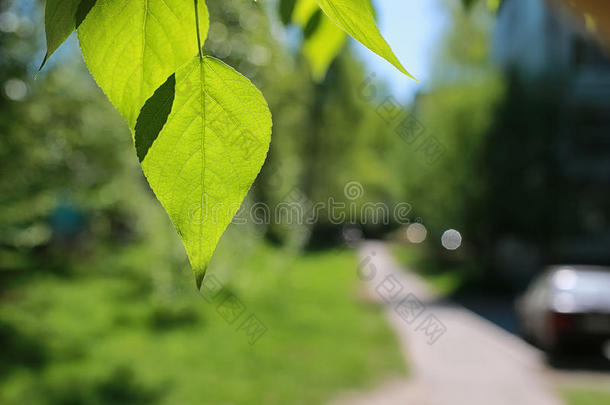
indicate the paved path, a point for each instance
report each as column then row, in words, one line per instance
column 454, row 356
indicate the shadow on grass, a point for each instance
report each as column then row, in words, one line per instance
column 164, row 318
column 19, row 350
column 119, row 387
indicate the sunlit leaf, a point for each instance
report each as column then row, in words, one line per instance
column 132, row 46
column 303, row 11
column 209, row 152
column 356, row 17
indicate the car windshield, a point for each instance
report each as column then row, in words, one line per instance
column 582, row 282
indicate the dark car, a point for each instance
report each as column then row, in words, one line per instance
column 567, row 309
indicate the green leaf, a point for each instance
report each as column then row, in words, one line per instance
column 61, row 18
column 209, row 152
column 303, row 11
column 153, row 116
column 286, row 8
column 323, row 46
column 313, row 24
column 132, row 46
column 357, row 18
column 323, row 39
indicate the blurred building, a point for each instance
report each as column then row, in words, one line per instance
column 549, row 151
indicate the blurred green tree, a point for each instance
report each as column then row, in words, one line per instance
column 64, row 153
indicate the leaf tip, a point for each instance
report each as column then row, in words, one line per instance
column 44, row 62
column 199, row 276
column 412, row 77
column 402, row 69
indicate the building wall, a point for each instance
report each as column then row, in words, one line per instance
column 552, row 198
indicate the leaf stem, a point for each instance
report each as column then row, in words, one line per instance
column 197, row 26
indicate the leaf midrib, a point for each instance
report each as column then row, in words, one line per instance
column 144, row 45
column 203, row 157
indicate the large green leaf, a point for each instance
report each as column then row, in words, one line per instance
column 61, row 18
column 132, row 46
column 209, row 152
column 356, row 17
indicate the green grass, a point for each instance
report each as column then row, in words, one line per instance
column 128, row 327
column 584, row 396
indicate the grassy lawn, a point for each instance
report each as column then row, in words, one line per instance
column 584, row 396
column 125, row 329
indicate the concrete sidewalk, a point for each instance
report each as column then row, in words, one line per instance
column 455, row 357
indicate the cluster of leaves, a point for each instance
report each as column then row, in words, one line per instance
column 325, row 25
column 200, row 128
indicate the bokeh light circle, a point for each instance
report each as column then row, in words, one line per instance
column 416, row 233
column 451, row 239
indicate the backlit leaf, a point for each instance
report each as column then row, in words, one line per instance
column 356, row 17
column 303, row 11
column 209, row 152
column 132, row 46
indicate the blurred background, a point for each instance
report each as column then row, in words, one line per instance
column 498, row 158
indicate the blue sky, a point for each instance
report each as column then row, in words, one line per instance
column 413, row 29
